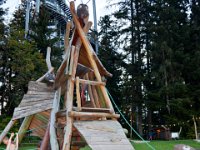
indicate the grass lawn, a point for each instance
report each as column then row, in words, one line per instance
column 165, row 145
column 158, row 145
column 161, row 145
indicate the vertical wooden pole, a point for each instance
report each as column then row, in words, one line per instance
column 78, row 97
column 90, row 92
column 69, row 24
column 69, row 105
column 7, row 129
column 24, row 126
column 53, row 136
column 195, row 128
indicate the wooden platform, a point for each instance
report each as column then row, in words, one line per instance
column 103, row 135
column 38, row 99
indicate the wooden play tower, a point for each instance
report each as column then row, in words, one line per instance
column 75, row 110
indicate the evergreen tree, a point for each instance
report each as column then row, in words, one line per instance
column 109, row 56
column 20, row 63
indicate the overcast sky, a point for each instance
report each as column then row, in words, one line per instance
column 100, row 7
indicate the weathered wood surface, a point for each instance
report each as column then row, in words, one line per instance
column 92, row 82
column 41, row 87
column 23, row 128
column 78, row 96
column 103, row 135
column 39, row 123
column 39, row 98
column 88, row 109
column 92, row 114
column 53, row 136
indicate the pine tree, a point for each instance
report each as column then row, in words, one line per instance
column 109, row 55
column 20, row 63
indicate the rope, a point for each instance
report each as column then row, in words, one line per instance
column 150, row 146
column 29, row 130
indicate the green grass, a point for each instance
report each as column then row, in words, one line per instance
column 161, row 145
column 158, row 145
column 165, row 145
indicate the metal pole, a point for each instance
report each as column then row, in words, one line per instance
column 95, row 25
column 37, row 6
column 27, row 17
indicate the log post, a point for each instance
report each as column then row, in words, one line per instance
column 53, row 136
column 195, row 127
column 68, row 26
column 78, row 97
column 24, row 126
column 45, row 142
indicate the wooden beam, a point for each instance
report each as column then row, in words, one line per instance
column 71, row 64
column 90, row 51
column 88, row 109
column 46, row 139
column 92, row 114
column 48, row 60
column 24, row 126
column 67, row 33
column 69, row 105
column 7, row 129
column 91, row 82
column 78, row 97
column 53, row 136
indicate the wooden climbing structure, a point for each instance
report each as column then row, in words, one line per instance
column 75, row 109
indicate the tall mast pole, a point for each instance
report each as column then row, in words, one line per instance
column 95, row 25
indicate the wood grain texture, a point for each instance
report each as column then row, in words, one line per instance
column 103, row 135
column 38, row 99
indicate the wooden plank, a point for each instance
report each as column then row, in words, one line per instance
column 38, row 105
column 32, row 97
column 93, row 114
column 28, row 112
column 53, row 136
column 78, row 97
column 88, row 109
column 7, row 129
column 40, row 93
column 100, row 135
column 38, row 86
column 23, row 128
column 32, row 103
column 71, row 64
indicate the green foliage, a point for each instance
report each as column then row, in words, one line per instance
column 159, row 44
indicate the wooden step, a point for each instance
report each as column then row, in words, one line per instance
column 92, row 114
column 89, row 109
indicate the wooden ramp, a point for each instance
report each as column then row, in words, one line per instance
column 38, row 99
column 103, row 135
